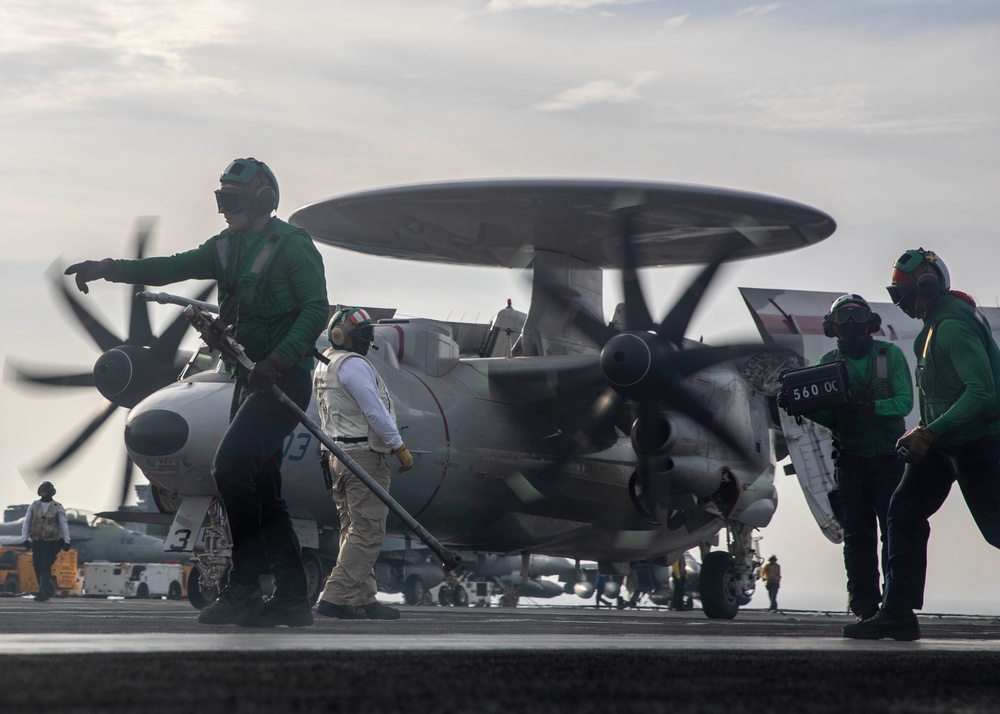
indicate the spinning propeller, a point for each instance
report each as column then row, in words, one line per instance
column 643, row 365
column 127, row 371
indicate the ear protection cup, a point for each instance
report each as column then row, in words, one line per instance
column 829, row 329
column 265, row 201
column 338, row 336
column 874, row 324
column 928, row 285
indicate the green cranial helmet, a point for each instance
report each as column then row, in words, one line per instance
column 849, row 299
column 46, row 487
column 260, row 195
column 919, row 272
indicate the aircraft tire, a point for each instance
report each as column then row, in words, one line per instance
column 314, row 575
column 460, row 598
column 196, row 596
column 414, row 590
column 444, row 596
column 718, row 600
column 10, row 585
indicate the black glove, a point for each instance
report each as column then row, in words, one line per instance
column 860, row 406
column 26, row 544
column 782, row 399
column 914, row 444
column 90, row 270
column 266, row 372
column 65, row 545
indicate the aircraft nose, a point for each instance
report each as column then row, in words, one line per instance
column 157, row 432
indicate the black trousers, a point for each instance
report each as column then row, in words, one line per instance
column 772, row 593
column 247, row 472
column 43, row 555
column 867, row 485
column 925, row 486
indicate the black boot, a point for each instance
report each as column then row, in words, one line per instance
column 288, row 611
column 899, row 625
column 235, row 604
column 341, row 612
column 378, row 611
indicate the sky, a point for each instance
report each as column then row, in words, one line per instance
column 883, row 113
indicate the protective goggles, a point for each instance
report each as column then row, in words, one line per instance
column 844, row 314
column 898, row 293
column 230, row 201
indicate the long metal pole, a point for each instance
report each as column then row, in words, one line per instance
column 450, row 560
column 215, row 334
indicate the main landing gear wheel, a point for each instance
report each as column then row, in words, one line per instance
column 719, row 597
column 314, row 575
column 414, row 591
column 201, row 597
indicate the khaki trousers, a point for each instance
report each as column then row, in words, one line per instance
column 362, row 530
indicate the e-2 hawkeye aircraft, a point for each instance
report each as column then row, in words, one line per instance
column 553, row 431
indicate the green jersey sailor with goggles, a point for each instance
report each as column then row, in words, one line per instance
column 865, row 431
column 958, row 437
column 272, row 290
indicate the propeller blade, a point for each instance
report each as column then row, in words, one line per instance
column 680, row 399
column 594, row 329
column 675, row 324
column 166, row 345
column 639, row 492
column 637, row 315
column 18, row 374
column 139, row 330
column 80, row 440
column 126, row 480
column 102, row 336
column 688, row 362
column 553, row 478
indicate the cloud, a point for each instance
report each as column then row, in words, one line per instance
column 758, row 10
column 75, row 52
column 674, row 22
column 566, row 5
column 844, row 108
column 597, row 92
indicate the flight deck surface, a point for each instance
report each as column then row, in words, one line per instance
column 113, row 655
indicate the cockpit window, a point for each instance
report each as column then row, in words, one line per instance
column 204, row 360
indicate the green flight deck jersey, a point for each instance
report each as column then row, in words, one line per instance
column 958, row 372
column 272, row 287
column 882, row 375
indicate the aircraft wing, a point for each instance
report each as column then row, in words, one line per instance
column 149, row 517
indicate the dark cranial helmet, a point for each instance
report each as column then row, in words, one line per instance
column 773, row 559
column 259, row 195
column 351, row 329
column 851, row 317
column 46, row 487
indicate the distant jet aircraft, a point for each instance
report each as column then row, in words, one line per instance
column 96, row 538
